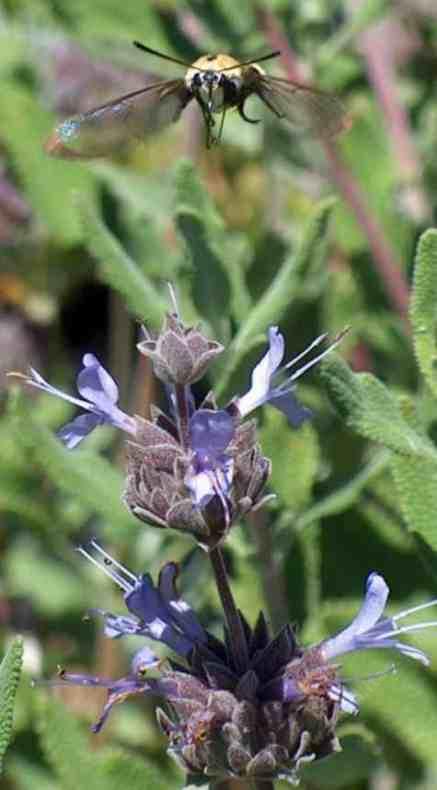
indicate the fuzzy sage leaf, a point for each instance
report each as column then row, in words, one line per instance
column 371, row 410
column 10, row 670
column 118, row 269
column 416, row 483
column 423, row 310
column 203, row 232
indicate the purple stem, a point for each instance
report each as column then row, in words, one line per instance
column 237, row 636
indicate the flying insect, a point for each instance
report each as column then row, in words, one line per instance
column 217, row 83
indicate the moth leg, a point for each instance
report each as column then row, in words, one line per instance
column 222, row 123
column 243, row 115
column 208, row 121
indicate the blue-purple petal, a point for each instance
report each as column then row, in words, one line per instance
column 210, row 433
column 182, row 614
column 156, row 619
column 73, row 432
column 96, row 385
column 289, row 405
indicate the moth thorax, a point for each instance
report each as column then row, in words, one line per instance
column 214, row 88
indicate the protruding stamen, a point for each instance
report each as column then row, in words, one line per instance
column 112, row 561
column 173, row 299
column 391, row 670
column 413, row 610
column 337, row 340
column 110, row 572
column 405, row 630
column 306, row 351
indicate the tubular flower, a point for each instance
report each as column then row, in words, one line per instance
column 274, row 384
column 261, row 720
column 100, row 397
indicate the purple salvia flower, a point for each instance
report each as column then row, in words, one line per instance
column 265, row 387
column 370, row 630
column 158, row 611
column 137, row 681
column 100, row 394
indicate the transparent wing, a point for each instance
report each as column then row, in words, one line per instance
column 308, row 109
column 109, row 127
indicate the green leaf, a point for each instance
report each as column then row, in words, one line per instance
column 115, row 21
column 354, row 763
column 371, row 410
column 48, row 183
column 28, row 774
column 10, row 670
column 203, row 232
column 294, row 456
column 416, row 483
column 423, row 309
column 127, row 770
column 52, row 586
column 84, row 474
column 345, row 496
column 67, row 748
column 279, row 296
column 70, row 753
column 363, row 17
column 118, row 269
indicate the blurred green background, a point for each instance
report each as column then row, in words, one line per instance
column 266, row 228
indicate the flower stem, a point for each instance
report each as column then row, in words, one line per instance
column 273, row 582
column 237, row 636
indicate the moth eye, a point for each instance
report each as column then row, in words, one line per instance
column 197, row 80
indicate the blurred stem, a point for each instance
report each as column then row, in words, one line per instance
column 237, row 636
column 144, row 389
column 271, row 576
column 310, row 541
column 378, row 45
column 385, row 260
column 120, row 343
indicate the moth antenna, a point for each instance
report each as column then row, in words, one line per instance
column 162, row 55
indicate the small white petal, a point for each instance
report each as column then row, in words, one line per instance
column 262, row 374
